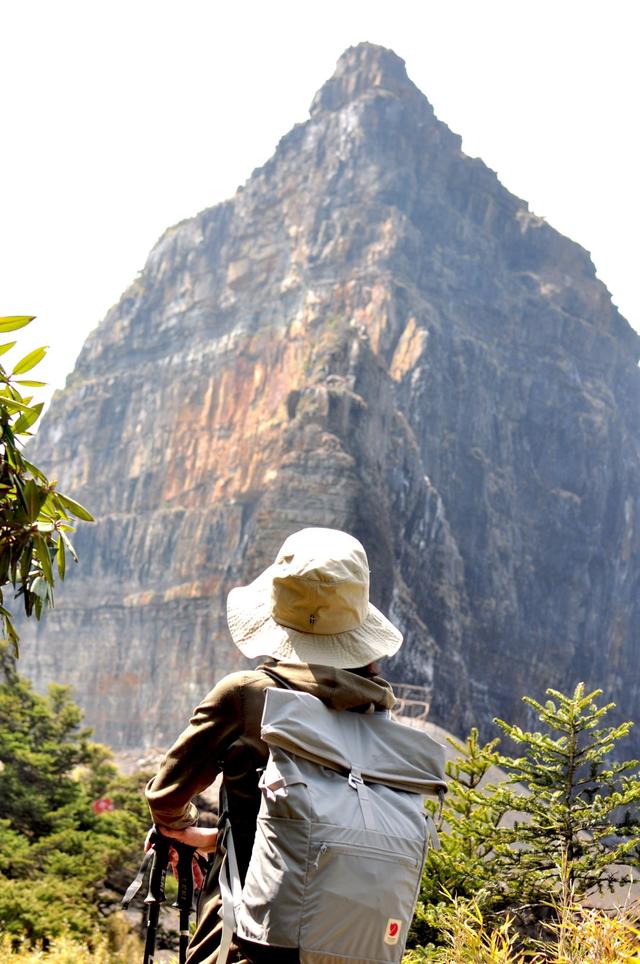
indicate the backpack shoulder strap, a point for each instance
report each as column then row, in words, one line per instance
column 230, row 894
column 229, row 880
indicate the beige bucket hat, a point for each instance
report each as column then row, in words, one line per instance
column 312, row 605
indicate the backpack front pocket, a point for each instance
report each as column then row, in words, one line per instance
column 347, row 900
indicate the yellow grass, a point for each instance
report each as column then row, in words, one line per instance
column 591, row 936
column 582, row 936
column 118, row 946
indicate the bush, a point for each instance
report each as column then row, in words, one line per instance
column 555, row 830
column 63, row 866
column 464, row 938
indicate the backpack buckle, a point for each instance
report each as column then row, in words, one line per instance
column 355, row 780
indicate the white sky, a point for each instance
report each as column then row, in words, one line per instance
column 120, row 119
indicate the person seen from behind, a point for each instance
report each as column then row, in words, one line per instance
column 309, row 616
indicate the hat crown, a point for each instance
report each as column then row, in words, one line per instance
column 320, row 582
column 312, row 605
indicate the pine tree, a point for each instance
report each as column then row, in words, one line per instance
column 574, row 802
column 467, row 826
column 470, row 815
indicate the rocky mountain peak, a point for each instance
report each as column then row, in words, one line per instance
column 372, row 335
column 363, row 69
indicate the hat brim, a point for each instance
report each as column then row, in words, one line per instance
column 256, row 633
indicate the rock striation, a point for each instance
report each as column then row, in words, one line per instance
column 372, row 334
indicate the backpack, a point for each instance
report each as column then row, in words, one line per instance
column 341, row 837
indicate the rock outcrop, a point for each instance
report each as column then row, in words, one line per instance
column 373, row 334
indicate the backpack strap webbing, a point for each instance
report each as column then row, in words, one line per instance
column 230, row 893
column 229, row 880
column 357, row 783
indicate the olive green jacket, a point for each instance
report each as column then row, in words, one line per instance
column 224, row 736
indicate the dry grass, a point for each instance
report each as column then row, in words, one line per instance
column 582, row 936
column 117, row 946
column 468, row 941
column 592, row 936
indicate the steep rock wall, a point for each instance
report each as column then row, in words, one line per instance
column 373, row 334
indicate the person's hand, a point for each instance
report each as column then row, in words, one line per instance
column 204, row 839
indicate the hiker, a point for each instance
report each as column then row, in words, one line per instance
column 310, row 617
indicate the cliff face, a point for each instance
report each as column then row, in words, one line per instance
column 373, row 334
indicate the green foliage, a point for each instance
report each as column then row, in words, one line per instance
column 59, row 858
column 462, row 867
column 555, row 829
column 40, row 744
column 35, row 518
column 472, row 814
column 43, row 908
column 573, row 799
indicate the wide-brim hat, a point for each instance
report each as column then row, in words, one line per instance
column 312, row 605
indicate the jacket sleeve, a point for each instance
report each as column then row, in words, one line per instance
column 192, row 763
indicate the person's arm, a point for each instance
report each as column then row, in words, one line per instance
column 192, row 763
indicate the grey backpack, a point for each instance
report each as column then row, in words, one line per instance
column 341, row 838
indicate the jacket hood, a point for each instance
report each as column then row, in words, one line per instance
column 339, row 689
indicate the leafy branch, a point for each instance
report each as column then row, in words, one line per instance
column 35, row 519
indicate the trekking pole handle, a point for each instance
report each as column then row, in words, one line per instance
column 184, row 900
column 155, row 897
column 158, row 873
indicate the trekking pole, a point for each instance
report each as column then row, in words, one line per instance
column 184, row 900
column 155, row 897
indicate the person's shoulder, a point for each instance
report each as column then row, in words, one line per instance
column 234, row 696
column 234, row 683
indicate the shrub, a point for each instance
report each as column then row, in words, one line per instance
column 561, row 822
column 61, row 863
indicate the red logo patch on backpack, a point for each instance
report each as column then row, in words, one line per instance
column 392, row 931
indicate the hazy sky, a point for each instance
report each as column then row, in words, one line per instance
column 120, row 119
